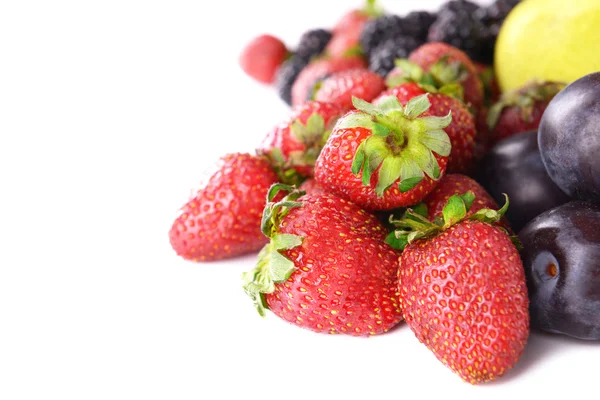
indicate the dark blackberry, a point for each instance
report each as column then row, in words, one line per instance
column 382, row 58
column 286, row 76
column 417, row 23
column 312, row 43
column 458, row 5
column 493, row 17
column 379, row 30
column 460, row 29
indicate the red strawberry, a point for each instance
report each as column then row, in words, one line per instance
column 222, row 220
column 311, row 186
column 293, row 146
column 448, row 64
column 344, row 44
column 461, row 131
column 319, row 68
column 340, row 87
column 462, row 290
column 520, row 110
column 347, row 31
column 326, row 268
column 386, row 156
column 452, row 184
column 262, row 56
column 491, row 89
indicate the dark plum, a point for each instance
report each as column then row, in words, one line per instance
column 569, row 138
column 514, row 166
column 561, row 257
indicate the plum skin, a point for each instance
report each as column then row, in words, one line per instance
column 569, row 138
column 561, row 257
column 514, row 166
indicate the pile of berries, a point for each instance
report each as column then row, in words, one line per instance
column 376, row 201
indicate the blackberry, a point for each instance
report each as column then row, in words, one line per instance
column 286, row 76
column 460, row 29
column 379, row 30
column 417, row 23
column 312, row 43
column 493, row 17
column 457, row 6
column 382, row 58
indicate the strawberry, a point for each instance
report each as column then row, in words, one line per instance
column 293, row 146
column 262, row 56
column 386, row 156
column 491, row 89
column 520, row 110
column 462, row 289
column 344, row 44
column 326, row 267
column 317, row 69
column 311, row 186
column 340, row 87
column 461, row 131
column 354, row 20
column 222, row 220
column 445, row 65
column 452, row 184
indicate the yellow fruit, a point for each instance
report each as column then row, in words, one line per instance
column 555, row 40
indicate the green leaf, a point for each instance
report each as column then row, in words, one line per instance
column 359, row 159
column 454, row 211
column 285, row 241
column 409, row 170
column 435, row 123
column 280, row 267
column 410, row 70
column 455, row 90
column 354, row 120
column 425, row 160
column 417, row 106
column 390, row 103
column 468, row 198
column 365, row 106
column 491, row 216
column 388, row 174
column 315, row 123
column 421, row 209
column 396, row 241
column 408, row 184
column 437, row 141
column 380, row 130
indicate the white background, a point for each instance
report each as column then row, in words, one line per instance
column 109, row 113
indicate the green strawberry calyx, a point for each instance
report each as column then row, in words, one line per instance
column 414, row 225
column 401, row 148
column 443, row 77
column 525, row 99
column 272, row 267
column 312, row 135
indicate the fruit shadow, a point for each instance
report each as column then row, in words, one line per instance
column 541, row 346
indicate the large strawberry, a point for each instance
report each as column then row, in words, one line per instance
column 222, row 219
column 386, row 156
column 520, row 110
column 340, row 87
column 447, row 65
column 462, row 289
column 461, row 131
column 306, row 82
column 293, row 146
column 326, row 267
